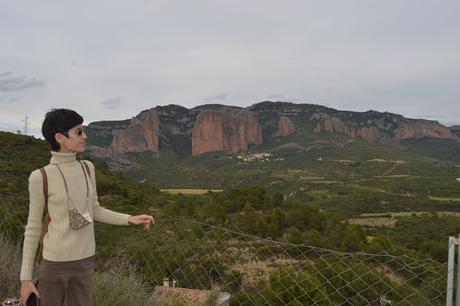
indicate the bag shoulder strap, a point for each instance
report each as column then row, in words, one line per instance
column 45, row 187
column 86, row 167
column 46, row 220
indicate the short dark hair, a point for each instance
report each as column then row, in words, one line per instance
column 59, row 120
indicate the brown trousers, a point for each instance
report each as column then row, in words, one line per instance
column 70, row 280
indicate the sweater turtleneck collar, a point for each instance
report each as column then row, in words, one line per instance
column 63, row 158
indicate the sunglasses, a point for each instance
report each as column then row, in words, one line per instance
column 79, row 131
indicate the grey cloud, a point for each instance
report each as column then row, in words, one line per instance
column 277, row 96
column 10, row 83
column 111, row 103
column 218, row 97
column 397, row 56
column 8, row 97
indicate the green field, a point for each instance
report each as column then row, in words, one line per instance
column 190, row 191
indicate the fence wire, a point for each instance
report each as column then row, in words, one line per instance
column 257, row 271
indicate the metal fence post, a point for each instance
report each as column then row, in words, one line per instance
column 457, row 293
column 450, row 271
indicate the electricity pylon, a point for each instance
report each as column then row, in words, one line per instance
column 26, row 125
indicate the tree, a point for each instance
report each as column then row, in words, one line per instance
column 293, row 235
column 278, row 218
column 354, row 238
column 248, row 219
column 277, row 200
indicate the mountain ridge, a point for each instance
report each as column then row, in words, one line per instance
column 231, row 129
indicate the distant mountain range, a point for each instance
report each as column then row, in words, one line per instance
column 269, row 125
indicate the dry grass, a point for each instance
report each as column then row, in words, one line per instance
column 389, row 219
column 253, row 268
column 390, row 274
column 379, row 160
column 445, row 199
column 121, row 285
column 343, row 161
column 374, row 222
column 311, row 177
column 448, row 213
column 406, row 194
column 10, row 266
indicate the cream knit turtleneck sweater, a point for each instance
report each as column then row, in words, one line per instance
column 62, row 243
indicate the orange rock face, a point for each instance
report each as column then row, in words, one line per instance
column 368, row 133
column 423, row 128
column 226, row 129
column 141, row 135
column 285, row 127
column 409, row 128
column 335, row 125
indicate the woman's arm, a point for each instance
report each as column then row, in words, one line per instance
column 34, row 224
column 104, row 215
column 32, row 234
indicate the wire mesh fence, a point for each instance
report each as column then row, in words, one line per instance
column 205, row 262
column 257, row 271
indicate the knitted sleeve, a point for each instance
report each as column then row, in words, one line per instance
column 102, row 214
column 34, row 224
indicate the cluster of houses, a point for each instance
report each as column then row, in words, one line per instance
column 258, row 157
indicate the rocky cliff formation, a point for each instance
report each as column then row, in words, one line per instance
column 211, row 128
column 142, row 134
column 176, row 124
column 419, row 128
column 336, row 125
column 100, row 133
column 226, row 129
column 382, row 127
column 285, row 127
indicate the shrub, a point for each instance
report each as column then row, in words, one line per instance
column 121, row 285
column 10, row 255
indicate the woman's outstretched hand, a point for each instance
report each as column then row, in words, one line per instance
column 147, row 220
column 27, row 288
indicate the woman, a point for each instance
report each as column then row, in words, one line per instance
column 66, row 270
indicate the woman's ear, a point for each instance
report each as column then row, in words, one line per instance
column 59, row 138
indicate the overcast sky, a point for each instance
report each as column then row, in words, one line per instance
column 109, row 60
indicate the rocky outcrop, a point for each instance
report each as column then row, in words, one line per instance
column 214, row 127
column 387, row 129
column 225, row 129
column 100, row 133
column 176, row 124
column 285, row 127
column 142, row 134
column 423, row 128
column 332, row 125
column 370, row 134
